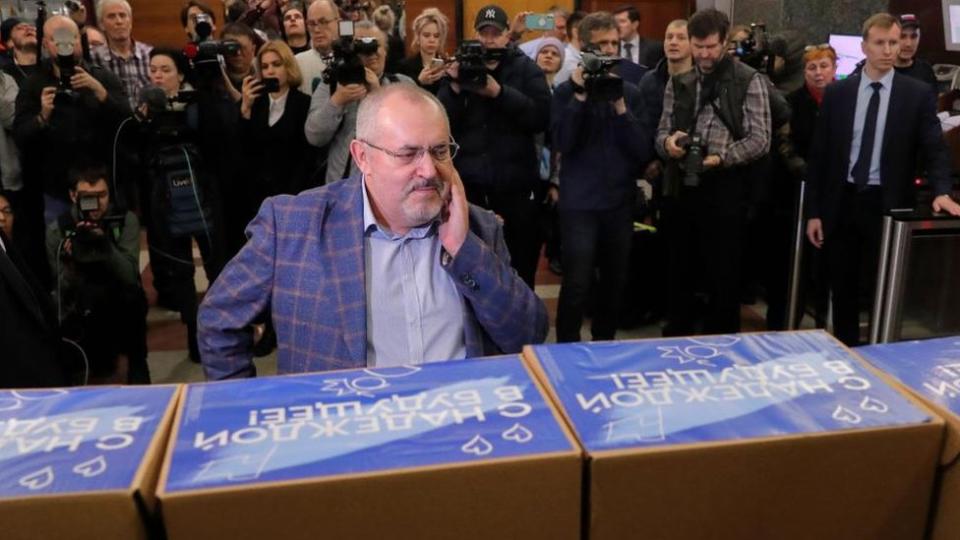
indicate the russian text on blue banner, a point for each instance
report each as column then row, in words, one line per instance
column 930, row 367
column 78, row 439
column 688, row 390
column 285, row 428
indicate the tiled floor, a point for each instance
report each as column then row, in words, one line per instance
column 167, row 336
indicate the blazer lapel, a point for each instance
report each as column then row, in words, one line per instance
column 848, row 113
column 347, row 241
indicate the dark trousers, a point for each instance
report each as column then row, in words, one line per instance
column 519, row 211
column 593, row 238
column 853, row 247
column 703, row 231
column 171, row 262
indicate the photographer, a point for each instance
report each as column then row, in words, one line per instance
column 596, row 128
column 333, row 117
column 715, row 123
column 95, row 256
column 497, row 103
column 322, row 19
column 64, row 112
column 240, row 63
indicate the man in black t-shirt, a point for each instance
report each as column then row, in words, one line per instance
column 907, row 62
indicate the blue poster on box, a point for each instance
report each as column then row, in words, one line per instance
column 366, row 420
column 76, row 440
column 717, row 388
column 931, row 367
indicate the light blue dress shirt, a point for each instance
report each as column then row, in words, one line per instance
column 860, row 117
column 414, row 311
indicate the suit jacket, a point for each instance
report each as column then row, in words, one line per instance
column 278, row 159
column 304, row 260
column 29, row 344
column 912, row 136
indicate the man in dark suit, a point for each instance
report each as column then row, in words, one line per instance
column 29, row 345
column 872, row 130
column 633, row 47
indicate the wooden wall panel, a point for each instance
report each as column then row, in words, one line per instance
column 157, row 22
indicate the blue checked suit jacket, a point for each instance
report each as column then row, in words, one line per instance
column 304, row 261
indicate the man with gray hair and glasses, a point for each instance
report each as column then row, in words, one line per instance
column 391, row 266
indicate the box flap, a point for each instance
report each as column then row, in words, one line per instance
column 929, row 369
column 358, row 421
column 77, row 440
column 715, row 388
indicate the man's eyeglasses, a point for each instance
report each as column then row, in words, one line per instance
column 318, row 23
column 407, row 156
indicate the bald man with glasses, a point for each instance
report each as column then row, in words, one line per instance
column 391, row 266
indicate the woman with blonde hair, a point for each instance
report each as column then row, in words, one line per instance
column 272, row 114
column 386, row 20
column 426, row 64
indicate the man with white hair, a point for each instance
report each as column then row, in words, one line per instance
column 391, row 266
column 128, row 59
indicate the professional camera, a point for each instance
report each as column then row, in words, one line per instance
column 202, row 27
column 472, row 58
column 754, row 50
column 91, row 237
column 693, row 159
column 601, row 84
column 204, row 53
column 344, row 65
column 66, row 63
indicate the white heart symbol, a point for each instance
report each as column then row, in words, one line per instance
column 843, row 414
column 477, row 445
column 518, row 433
column 873, row 404
column 91, row 468
column 39, row 479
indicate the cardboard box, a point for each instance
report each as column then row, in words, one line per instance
column 931, row 370
column 81, row 462
column 780, row 435
column 464, row 449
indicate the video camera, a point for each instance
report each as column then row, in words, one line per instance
column 598, row 79
column 204, row 53
column 472, row 58
column 66, row 63
column 91, row 240
column 754, row 50
column 344, row 65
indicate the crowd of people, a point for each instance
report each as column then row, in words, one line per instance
column 583, row 137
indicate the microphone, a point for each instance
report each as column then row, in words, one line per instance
column 155, row 99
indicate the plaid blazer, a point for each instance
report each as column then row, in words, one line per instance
column 304, row 262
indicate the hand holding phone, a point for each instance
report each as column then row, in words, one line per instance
column 540, row 21
column 271, row 84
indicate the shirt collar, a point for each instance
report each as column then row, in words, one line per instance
column 281, row 99
column 370, row 225
column 886, row 80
